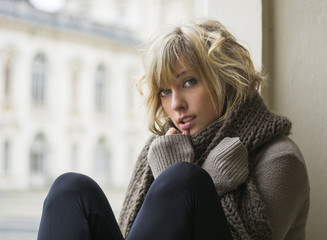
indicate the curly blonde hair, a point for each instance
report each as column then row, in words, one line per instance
column 211, row 53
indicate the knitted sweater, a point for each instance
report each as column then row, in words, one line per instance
column 258, row 172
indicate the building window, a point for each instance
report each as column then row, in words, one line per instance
column 6, row 156
column 38, row 156
column 39, row 80
column 7, row 80
column 101, row 161
column 100, row 89
column 74, row 90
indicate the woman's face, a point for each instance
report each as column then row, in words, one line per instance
column 188, row 103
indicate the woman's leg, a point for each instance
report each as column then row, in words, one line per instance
column 77, row 209
column 182, row 203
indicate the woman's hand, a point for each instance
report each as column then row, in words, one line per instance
column 173, row 131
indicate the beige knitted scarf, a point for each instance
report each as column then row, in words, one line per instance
column 244, row 209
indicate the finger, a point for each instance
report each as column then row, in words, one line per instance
column 187, row 132
column 172, row 131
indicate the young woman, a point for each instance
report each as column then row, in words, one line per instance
column 219, row 165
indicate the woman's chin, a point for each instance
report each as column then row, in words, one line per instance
column 193, row 131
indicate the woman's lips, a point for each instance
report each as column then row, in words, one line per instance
column 186, row 122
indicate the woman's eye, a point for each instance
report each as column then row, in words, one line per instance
column 164, row 92
column 190, row 82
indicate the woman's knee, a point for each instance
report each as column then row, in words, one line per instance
column 186, row 176
column 188, row 172
column 71, row 184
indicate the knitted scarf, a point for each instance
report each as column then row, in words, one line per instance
column 244, row 209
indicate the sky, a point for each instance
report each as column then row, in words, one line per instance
column 48, row 5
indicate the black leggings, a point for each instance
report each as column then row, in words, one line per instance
column 182, row 203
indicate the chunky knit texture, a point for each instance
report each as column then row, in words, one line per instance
column 254, row 125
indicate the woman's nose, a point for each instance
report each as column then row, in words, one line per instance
column 178, row 102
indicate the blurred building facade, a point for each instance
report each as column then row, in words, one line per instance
column 67, row 96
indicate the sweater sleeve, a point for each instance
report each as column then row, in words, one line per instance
column 169, row 149
column 283, row 184
column 227, row 164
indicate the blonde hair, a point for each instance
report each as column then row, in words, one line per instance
column 211, row 53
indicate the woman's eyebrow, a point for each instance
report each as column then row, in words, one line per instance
column 179, row 75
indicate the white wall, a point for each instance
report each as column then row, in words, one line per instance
column 296, row 44
column 242, row 18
